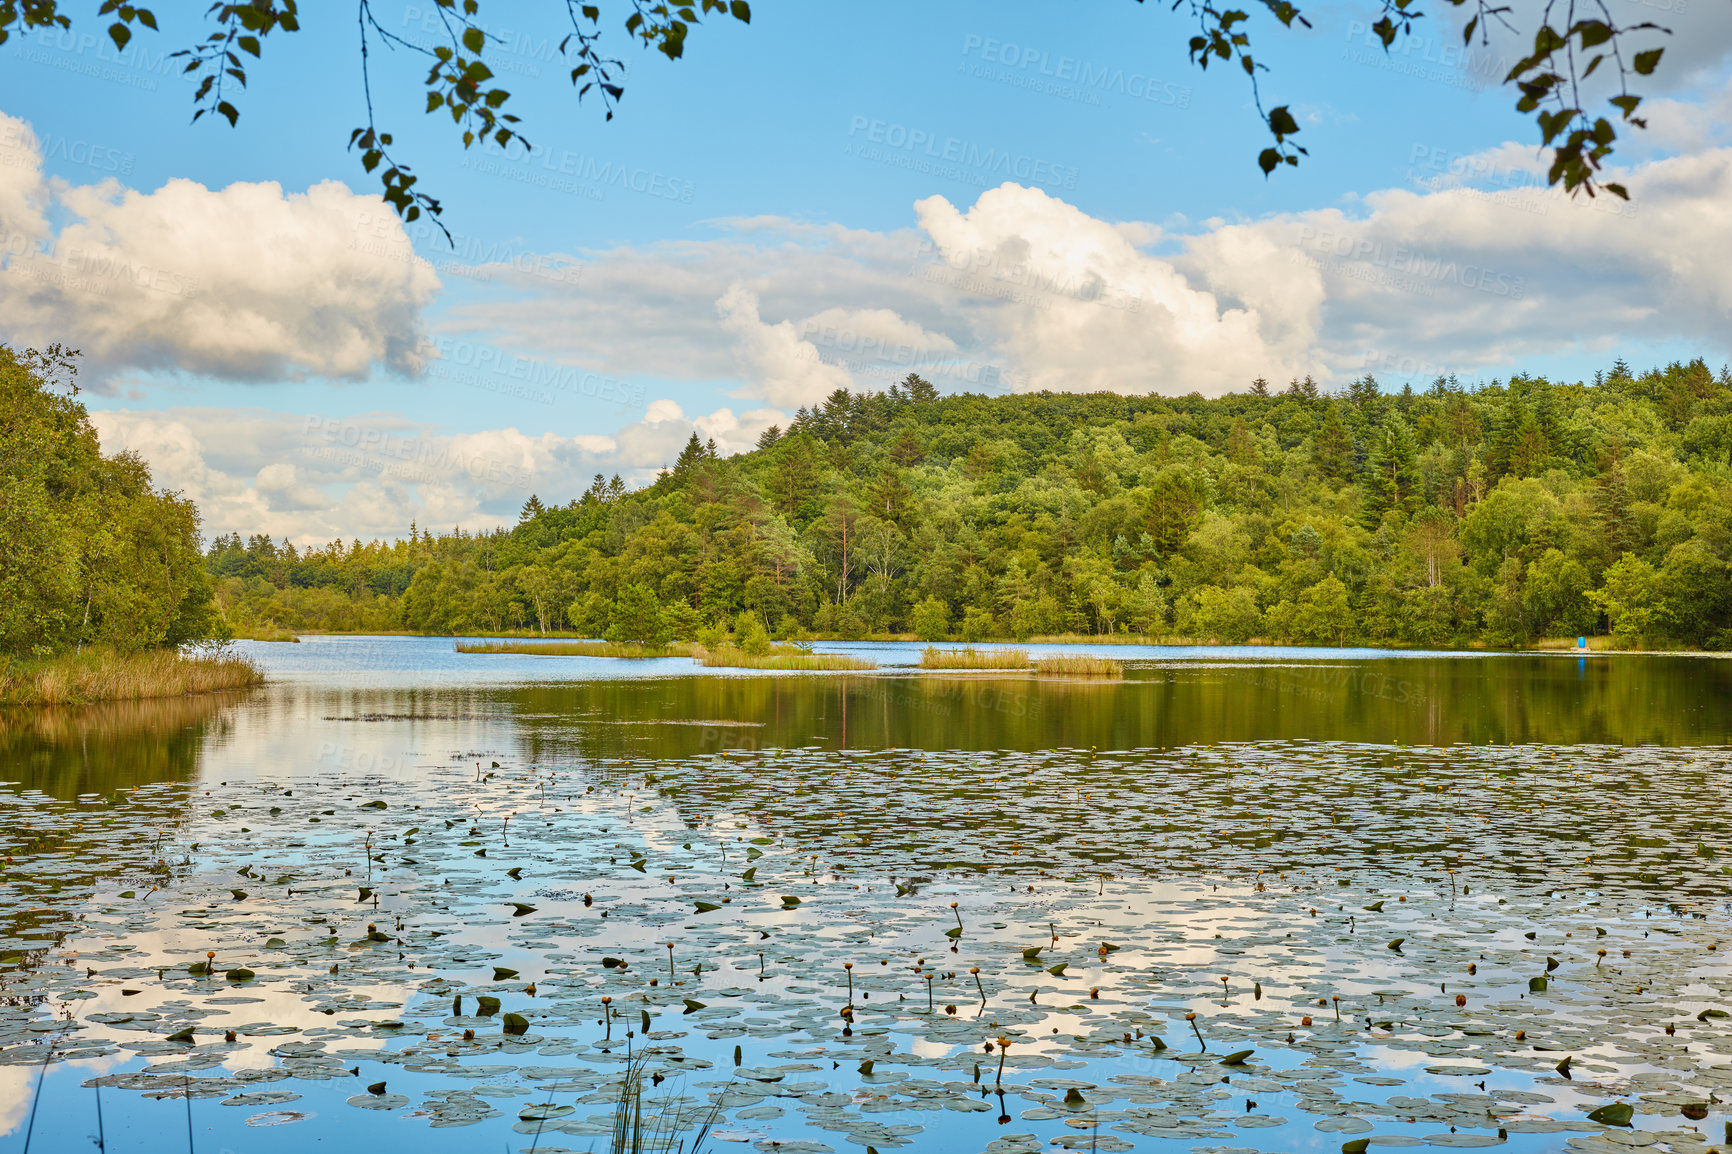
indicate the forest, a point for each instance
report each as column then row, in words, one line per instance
column 1495, row 514
column 96, row 555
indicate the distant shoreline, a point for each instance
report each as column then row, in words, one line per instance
column 1597, row 646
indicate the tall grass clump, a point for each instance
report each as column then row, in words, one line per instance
column 81, row 678
column 784, row 657
column 660, row 1130
column 971, row 658
column 1080, row 665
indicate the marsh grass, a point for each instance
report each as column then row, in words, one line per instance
column 933, row 657
column 781, row 657
column 1080, row 665
column 82, row 678
column 264, row 633
column 582, row 648
column 658, row 1132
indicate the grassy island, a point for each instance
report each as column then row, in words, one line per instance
column 82, row 678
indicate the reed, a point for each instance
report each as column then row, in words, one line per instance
column 1080, row 665
column 581, row 648
column 933, row 657
column 728, row 657
column 81, row 678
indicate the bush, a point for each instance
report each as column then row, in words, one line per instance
column 976, row 624
column 931, row 620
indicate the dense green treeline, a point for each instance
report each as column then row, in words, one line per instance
column 1455, row 516
column 93, row 554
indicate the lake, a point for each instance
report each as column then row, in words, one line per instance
column 1241, row 900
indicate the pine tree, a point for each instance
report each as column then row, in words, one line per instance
column 1332, row 449
column 1362, row 390
column 1391, row 477
column 920, row 390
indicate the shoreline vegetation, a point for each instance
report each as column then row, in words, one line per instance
column 754, row 653
column 100, row 676
column 105, row 590
column 933, row 657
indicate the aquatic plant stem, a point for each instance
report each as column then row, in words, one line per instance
column 36, row 1099
column 186, row 1093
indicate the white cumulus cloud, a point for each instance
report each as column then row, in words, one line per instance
column 247, row 282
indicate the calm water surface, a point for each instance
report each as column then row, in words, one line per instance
column 1340, row 835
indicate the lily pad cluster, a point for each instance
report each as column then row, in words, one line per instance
column 1248, row 947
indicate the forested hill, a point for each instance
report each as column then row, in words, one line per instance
column 1498, row 514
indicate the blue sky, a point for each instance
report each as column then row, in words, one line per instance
column 1005, row 196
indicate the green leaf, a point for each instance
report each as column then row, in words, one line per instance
column 1537, row 985
column 474, row 39
column 1375, row 907
column 501, row 973
column 240, row 974
column 120, row 34
column 515, row 1024
column 707, row 907
column 789, row 901
column 1646, row 62
column 741, row 10
column 1613, row 1114
column 692, row 1005
column 1237, row 1058
column 1396, row 944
